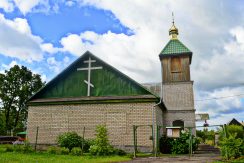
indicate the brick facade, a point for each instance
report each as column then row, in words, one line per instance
column 119, row 119
column 178, row 95
column 179, row 100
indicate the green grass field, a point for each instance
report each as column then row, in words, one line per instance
column 11, row 157
column 42, row 157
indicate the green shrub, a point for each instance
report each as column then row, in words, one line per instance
column 101, row 146
column 76, row 151
column 52, row 150
column 23, row 148
column 27, row 148
column 119, row 152
column 70, row 140
column 64, row 151
column 195, row 142
column 18, row 148
column 177, row 145
column 57, row 150
column 231, row 147
column 88, row 143
column 180, row 145
column 9, row 148
column 165, row 144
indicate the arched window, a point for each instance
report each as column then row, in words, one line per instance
column 178, row 123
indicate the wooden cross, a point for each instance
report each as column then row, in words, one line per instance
column 89, row 68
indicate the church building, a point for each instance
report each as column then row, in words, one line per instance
column 91, row 92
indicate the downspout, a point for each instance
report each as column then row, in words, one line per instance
column 153, row 124
column 153, row 129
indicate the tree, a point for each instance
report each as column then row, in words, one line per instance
column 231, row 130
column 101, row 145
column 17, row 85
column 231, row 147
column 235, row 129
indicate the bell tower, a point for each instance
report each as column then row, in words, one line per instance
column 177, row 86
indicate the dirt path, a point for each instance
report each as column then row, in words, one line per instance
column 197, row 158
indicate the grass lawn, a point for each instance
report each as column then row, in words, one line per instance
column 42, row 157
column 12, row 157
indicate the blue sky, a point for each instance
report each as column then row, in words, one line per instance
column 48, row 35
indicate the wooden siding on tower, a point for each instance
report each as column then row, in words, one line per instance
column 176, row 69
column 185, row 61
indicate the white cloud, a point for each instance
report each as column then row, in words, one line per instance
column 7, row 5
column 17, row 41
column 223, row 68
column 116, row 49
column 227, row 102
column 44, row 77
column 48, row 47
column 238, row 33
column 26, row 6
column 69, row 3
column 66, row 60
column 57, row 66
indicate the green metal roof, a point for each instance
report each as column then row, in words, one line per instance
column 108, row 82
column 174, row 46
column 22, row 133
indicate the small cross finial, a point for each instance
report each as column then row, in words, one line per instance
column 173, row 31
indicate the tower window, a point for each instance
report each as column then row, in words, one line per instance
column 175, row 64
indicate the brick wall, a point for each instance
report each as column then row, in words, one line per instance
column 119, row 119
column 178, row 95
column 187, row 116
column 179, row 100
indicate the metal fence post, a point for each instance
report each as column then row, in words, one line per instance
column 153, row 142
column 37, row 129
column 190, row 141
column 225, row 133
column 83, row 139
column 156, row 150
column 134, row 138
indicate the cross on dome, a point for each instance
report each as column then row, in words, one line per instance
column 173, row 31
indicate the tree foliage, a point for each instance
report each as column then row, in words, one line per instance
column 231, row 147
column 235, row 129
column 205, row 135
column 16, row 86
column 101, row 146
column 231, row 130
